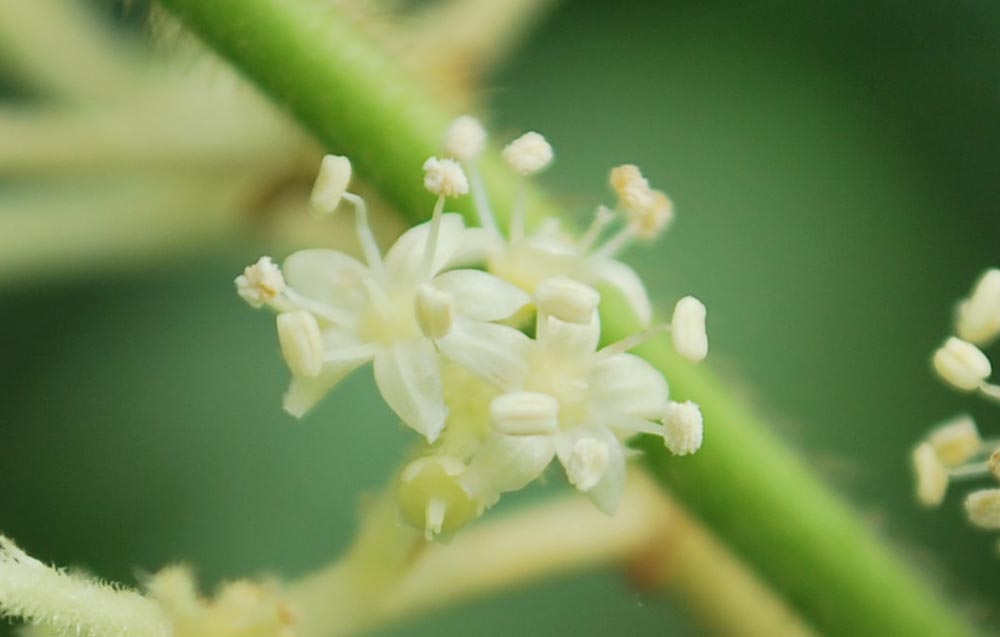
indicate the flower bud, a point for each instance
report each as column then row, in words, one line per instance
column 465, row 138
column 567, row 300
column 956, row 440
column 528, row 154
column 961, row 364
column 587, row 463
column 435, row 311
column 301, row 343
column 931, row 474
column 445, row 177
column 525, row 413
column 430, row 496
column 687, row 328
column 260, row 282
column 684, row 428
column 331, row 184
column 983, row 508
column 978, row 319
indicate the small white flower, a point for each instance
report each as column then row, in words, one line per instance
column 956, row 440
column 983, row 508
column 465, row 138
column 331, row 184
column 445, row 177
column 684, row 428
column 260, row 282
column 372, row 313
column 978, row 317
column 528, row 154
column 932, row 475
column 961, row 364
column 559, row 390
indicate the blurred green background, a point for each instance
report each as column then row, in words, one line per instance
column 834, row 169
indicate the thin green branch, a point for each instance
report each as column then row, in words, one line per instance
column 746, row 483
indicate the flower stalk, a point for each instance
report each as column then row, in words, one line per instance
column 745, row 482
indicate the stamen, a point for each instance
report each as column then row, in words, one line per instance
column 990, row 391
column 369, row 247
column 430, row 249
column 970, row 471
column 516, row 229
column 290, row 300
column 483, row 210
column 617, row 242
column 602, row 218
column 630, row 342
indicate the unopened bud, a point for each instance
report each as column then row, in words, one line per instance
column 567, row 300
column 983, row 508
column 465, row 138
column 978, row 319
column 931, row 475
column 956, row 440
column 435, row 311
column 528, row 154
column 687, row 328
column 331, row 184
column 961, row 364
column 525, row 413
column 683, row 427
column 587, row 463
column 445, row 177
column 430, row 496
column 301, row 343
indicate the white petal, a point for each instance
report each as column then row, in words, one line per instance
column 570, row 339
column 476, row 247
column 627, row 384
column 623, row 279
column 327, row 276
column 508, row 463
column 495, row 353
column 606, row 494
column 408, row 376
column 342, row 355
column 481, row 296
column 404, row 259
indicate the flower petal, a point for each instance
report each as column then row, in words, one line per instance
column 568, row 339
column 403, row 260
column 607, row 493
column 627, row 384
column 481, row 296
column 327, row 276
column 494, row 353
column 408, row 376
column 508, row 463
column 623, row 279
column 476, row 247
column 342, row 354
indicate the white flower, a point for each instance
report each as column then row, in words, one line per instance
column 358, row 313
column 564, row 398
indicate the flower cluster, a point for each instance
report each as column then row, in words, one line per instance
column 486, row 343
column 954, row 450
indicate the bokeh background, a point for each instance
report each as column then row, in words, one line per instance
column 835, row 174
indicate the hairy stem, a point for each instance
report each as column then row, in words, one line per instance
column 745, row 483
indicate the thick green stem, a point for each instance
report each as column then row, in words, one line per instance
column 746, row 483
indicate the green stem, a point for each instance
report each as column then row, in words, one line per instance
column 746, row 483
